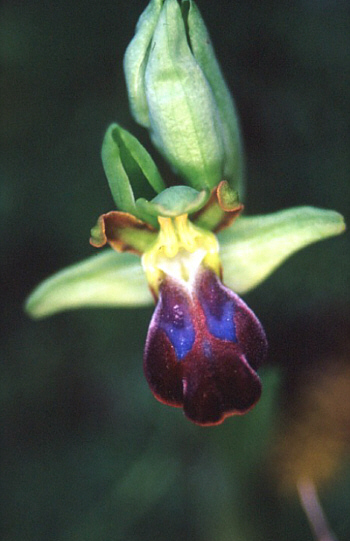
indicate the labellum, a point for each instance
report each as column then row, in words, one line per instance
column 204, row 344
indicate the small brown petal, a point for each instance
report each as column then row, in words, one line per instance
column 123, row 231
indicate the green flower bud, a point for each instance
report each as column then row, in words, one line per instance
column 177, row 91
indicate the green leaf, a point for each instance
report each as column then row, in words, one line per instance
column 184, row 120
column 174, row 201
column 205, row 55
column 130, row 170
column 109, row 279
column 255, row 246
column 135, row 61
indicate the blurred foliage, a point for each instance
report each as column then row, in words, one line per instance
column 88, row 454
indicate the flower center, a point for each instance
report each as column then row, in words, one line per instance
column 179, row 250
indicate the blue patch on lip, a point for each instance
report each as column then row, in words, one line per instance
column 219, row 309
column 177, row 324
column 222, row 325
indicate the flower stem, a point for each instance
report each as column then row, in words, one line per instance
column 313, row 510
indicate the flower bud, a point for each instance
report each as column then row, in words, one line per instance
column 177, row 91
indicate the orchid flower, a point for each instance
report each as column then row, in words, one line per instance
column 178, row 245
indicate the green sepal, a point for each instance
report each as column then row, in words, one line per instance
column 174, row 201
column 255, row 246
column 130, row 170
column 204, row 53
column 135, row 61
column 184, row 120
column 109, row 279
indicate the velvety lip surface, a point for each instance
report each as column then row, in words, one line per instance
column 202, row 350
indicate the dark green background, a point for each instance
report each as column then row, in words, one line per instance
column 87, row 452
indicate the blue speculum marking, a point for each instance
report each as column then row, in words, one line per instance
column 179, row 329
column 222, row 325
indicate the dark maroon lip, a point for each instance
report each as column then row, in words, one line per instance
column 202, row 350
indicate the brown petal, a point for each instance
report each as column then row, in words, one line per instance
column 220, row 211
column 123, row 231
